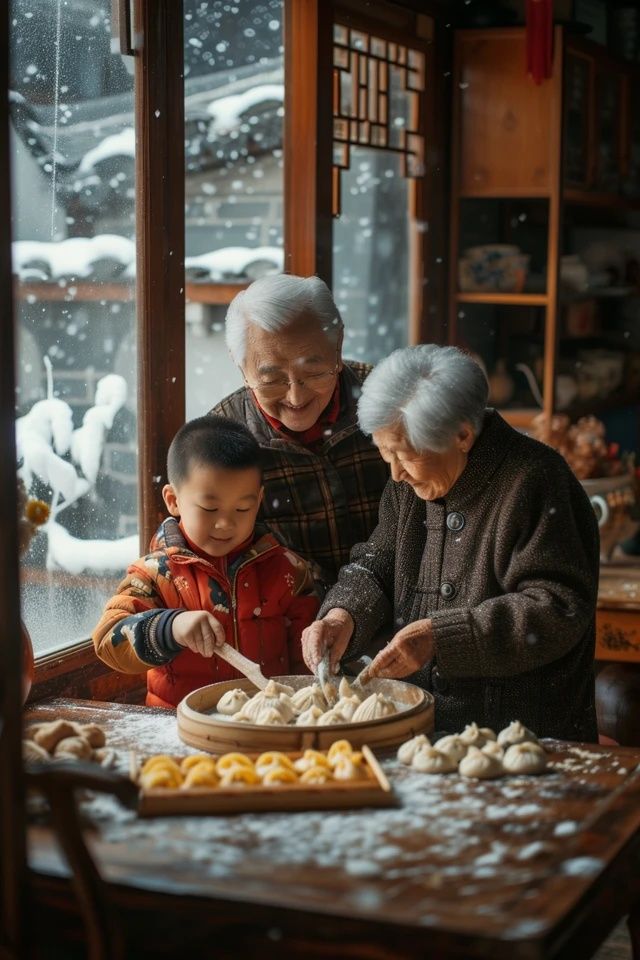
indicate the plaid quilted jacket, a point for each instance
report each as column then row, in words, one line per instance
column 322, row 501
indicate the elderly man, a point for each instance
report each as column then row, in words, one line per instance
column 323, row 478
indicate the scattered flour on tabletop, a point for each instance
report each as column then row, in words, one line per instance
column 582, row 866
column 565, row 828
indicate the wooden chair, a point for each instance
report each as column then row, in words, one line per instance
column 58, row 782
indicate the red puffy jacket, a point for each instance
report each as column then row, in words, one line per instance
column 264, row 599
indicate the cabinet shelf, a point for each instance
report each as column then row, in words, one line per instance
column 507, row 299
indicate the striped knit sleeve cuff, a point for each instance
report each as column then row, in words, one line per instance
column 454, row 642
column 151, row 636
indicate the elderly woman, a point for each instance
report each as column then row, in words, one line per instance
column 485, row 556
column 323, row 477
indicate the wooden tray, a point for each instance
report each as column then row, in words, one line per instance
column 375, row 791
column 206, row 731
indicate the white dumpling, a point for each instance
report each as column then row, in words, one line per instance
column 453, row 746
column 330, row 718
column 306, row 697
column 472, row 736
column 374, row 708
column 274, row 689
column 309, row 718
column 480, row 766
column 347, row 706
column 251, row 710
column 271, row 716
column 525, row 758
column 516, row 732
column 430, row 760
column 346, row 691
column 232, row 701
column 407, row 750
column 493, row 748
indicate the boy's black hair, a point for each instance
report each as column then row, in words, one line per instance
column 211, row 441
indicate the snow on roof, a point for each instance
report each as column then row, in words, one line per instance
column 121, row 144
column 235, row 261
column 79, row 257
column 75, row 257
column 226, row 111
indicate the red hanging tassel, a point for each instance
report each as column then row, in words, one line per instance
column 539, row 39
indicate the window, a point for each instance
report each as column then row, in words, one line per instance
column 378, row 153
column 74, row 263
column 234, row 109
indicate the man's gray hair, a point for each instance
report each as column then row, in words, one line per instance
column 274, row 302
column 428, row 391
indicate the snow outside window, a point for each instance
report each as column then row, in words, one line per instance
column 234, row 114
column 73, row 253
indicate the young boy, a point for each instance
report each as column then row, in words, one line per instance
column 212, row 575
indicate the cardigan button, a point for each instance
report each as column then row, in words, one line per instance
column 455, row 521
column 440, row 685
column 447, row 590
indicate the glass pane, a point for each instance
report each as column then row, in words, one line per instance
column 74, row 257
column 371, row 232
column 234, row 108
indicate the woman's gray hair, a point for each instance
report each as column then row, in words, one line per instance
column 274, row 302
column 428, row 391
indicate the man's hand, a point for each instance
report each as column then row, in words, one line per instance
column 332, row 633
column 407, row 652
column 198, row 631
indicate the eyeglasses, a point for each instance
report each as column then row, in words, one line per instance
column 274, row 389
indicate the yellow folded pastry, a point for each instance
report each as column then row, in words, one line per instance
column 201, row 775
column 337, row 750
column 239, row 773
column 311, row 758
column 229, row 760
column 280, row 775
column 161, row 777
column 272, row 758
column 346, row 769
column 162, row 760
column 317, row 774
column 188, row 762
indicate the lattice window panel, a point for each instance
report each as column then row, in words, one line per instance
column 378, row 88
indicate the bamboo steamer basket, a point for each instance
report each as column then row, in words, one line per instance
column 200, row 728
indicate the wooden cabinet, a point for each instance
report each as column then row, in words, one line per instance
column 531, row 164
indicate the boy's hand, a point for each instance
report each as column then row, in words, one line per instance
column 332, row 633
column 198, row 631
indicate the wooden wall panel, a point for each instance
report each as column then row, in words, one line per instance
column 505, row 118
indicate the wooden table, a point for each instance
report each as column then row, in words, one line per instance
column 517, row 868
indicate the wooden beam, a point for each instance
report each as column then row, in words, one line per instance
column 12, row 824
column 160, row 244
column 308, row 137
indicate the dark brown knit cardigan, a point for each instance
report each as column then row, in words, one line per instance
column 506, row 567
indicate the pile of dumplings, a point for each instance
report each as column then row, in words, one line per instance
column 64, row 740
column 340, row 762
column 477, row 752
column 279, row 704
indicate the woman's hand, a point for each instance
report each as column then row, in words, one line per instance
column 332, row 633
column 407, row 652
column 199, row 631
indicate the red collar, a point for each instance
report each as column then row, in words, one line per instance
column 316, row 432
